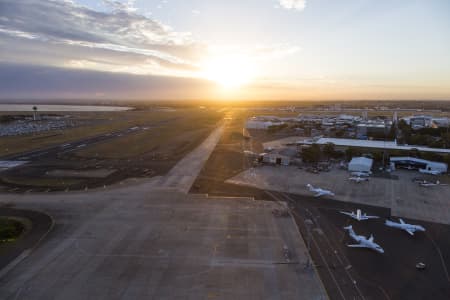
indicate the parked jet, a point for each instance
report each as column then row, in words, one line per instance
column 409, row 228
column 358, row 179
column 362, row 241
column 432, row 172
column 428, row 184
column 359, row 215
column 318, row 191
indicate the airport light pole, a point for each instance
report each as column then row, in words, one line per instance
column 384, row 145
column 35, row 112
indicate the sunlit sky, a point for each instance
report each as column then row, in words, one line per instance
column 234, row 49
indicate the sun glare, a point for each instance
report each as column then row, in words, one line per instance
column 230, row 72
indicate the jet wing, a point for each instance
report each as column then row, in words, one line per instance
column 319, row 194
column 409, row 231
column 357, row 246
column 347, row 213
column 371, row 217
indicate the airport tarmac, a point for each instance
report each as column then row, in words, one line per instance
column 353, row 273
column 404, row 197
column 135, row 241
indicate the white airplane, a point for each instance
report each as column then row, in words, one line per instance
column 428, row 184
column 432, row 172
column 362, row 241
column 409, row 228
column 318, row 191
column 358, row 179
column 360, row 174
column 359, row 215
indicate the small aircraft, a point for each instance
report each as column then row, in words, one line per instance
column 409, row 228
column 318, row 191
column 362, row 241
column 359, row 215
column 360, row 174
column 432, row 172
column 358, row 179
column 428, row 183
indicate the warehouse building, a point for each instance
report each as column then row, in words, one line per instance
column 418, row 164
column 342, row 144
column 360, row 164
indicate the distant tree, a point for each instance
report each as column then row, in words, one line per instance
column 431, row 156
column 405, row 131
column 420, row 139
column 352, row 152
column 445, row 136
column 311, row 154
column 378, row 156
column 275, row 128
column 339, row 133
column 392, row 132
column 446, row 159
column 329, row 150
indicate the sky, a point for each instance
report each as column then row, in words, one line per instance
column 234, row 49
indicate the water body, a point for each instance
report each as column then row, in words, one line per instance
column 57, row 107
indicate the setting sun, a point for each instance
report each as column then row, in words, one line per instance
column 229, row 71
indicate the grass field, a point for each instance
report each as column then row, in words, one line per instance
column 100, row 123
column 172, row 134
column 10, row 229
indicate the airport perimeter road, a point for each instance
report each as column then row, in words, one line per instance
column 183, row 174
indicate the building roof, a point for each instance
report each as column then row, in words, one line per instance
column 389, row 145
column 418, row 160
column 362, row 161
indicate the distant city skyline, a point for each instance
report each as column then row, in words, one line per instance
column 253, row 49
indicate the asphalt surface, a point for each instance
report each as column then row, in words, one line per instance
column 352, row 273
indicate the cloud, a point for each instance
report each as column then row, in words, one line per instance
column 115, row 52
column 293, row 4
column 24, row 82
column 68, row 30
